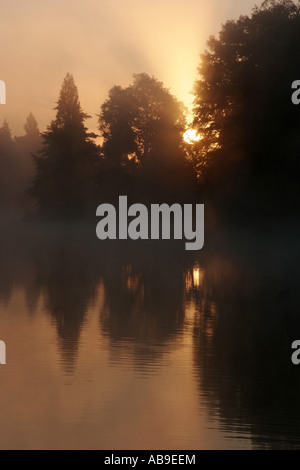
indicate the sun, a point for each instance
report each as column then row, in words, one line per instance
column 191, row 136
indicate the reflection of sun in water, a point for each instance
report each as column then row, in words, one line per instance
column 196, row 277
column 191, row 136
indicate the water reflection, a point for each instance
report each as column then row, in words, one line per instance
column 68, row 282
column 144, row 301
column 218, row 323
column 249, row 314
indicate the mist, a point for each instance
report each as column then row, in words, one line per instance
column 102, row 43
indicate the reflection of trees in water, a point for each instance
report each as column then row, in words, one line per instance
column 243, row 362
column 200, row 293
column 143, row 285
column 66, row 276
column 144, row 298
column 16, row 267
column 57, row 263
column 245, row 303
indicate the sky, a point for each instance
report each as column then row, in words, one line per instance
column 102, row 43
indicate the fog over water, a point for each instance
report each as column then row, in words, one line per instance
column 125, row 345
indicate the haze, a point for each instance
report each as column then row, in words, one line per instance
column 102, row 43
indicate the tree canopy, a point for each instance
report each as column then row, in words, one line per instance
column 31, row 127
column 249, row 128
column 243, row 109
column 142, row 126
column 65, row 168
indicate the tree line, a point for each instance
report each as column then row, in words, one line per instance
column 246, row 159
column 17, row 166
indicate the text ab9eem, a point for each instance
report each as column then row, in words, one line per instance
column 133, row 222
column 159, row 459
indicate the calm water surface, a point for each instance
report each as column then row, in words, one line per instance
column 147, row 346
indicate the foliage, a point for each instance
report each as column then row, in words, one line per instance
column 142, row 127
column 65, row 168
column 243, row 106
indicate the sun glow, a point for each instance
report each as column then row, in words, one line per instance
column 191, row 136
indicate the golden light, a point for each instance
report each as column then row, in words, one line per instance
column 194, row 278
column 191, row 136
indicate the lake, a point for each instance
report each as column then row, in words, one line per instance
column 143, row 345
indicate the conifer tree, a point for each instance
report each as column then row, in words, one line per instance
column 65, row 167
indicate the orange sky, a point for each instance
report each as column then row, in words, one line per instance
column 102, row 43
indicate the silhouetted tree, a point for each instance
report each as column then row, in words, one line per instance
column 117, row 115
column 243, row 105
column 26, row 145
column 8, row 167
column 142, row 128
column 65, row 168
column 31, row 127
column 5, row 134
